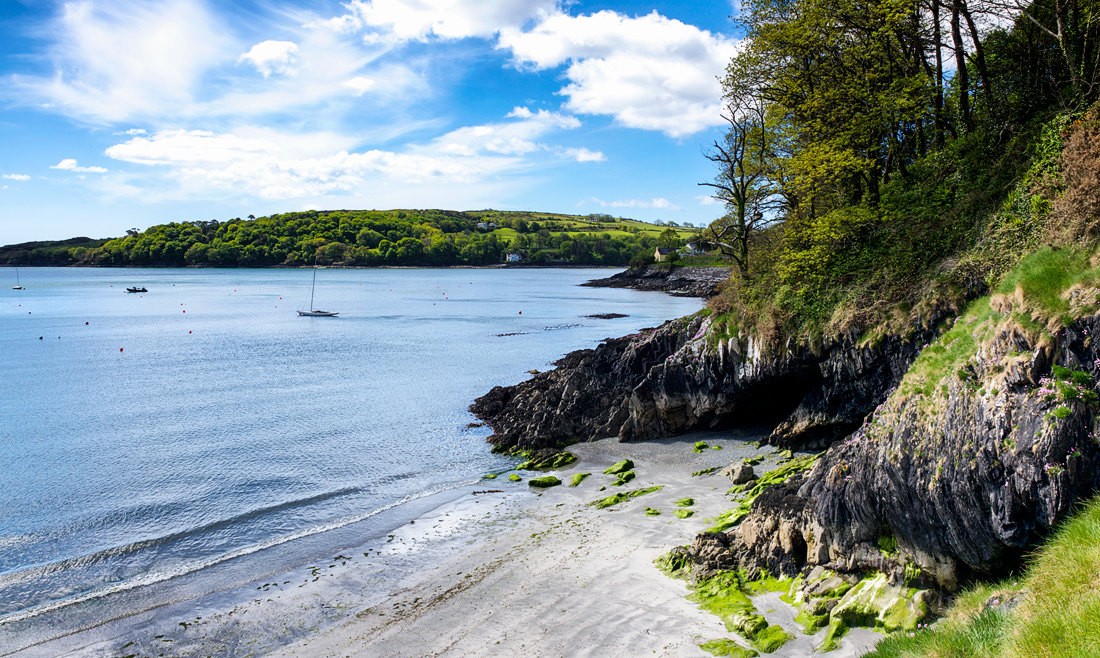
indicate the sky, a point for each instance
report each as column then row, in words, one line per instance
column 120, row 114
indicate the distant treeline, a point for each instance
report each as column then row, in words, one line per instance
column 365, row 238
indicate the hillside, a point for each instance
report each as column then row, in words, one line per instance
column 364, row 238
column 914, row 305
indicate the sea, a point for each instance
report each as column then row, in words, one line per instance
column 158, row 446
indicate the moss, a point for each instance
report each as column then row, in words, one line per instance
column 684, row 513
column 623, row 496
column 577, row 478
column 837, row 630
column 685, row 502
column 623, row 478
column 705, row 471
column 888, row 544
column 544, row 482
column 728, row 648
column 675, row 563
column 724, row 596
column 490, row 476
column 514, row 477
column 874, row 602
column 700, row 446
column 810, row 622
column 649, row 511
column 619, row 467
column 549, row 462
column 754, row 460
column 770, row 639
column 730, row 518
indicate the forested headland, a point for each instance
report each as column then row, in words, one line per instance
column 365, row 238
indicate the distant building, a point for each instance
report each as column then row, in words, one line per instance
column 661, row 254
column 693, row 249
column 513, row 258
column 486, row 226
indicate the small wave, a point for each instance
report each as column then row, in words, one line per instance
column 155, row 577
column 170, row 538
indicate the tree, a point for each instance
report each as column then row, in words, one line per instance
column 745, row 181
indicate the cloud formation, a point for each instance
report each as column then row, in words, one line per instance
column 275, row 165
column 17, row 177
column 405, row 20
column 70, row 164
column 650, row 72
column 656, row 202
column 273, row 58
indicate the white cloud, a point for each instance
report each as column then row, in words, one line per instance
column 119, row 60
column 273, row 57
column 649, row 72
column 657, row 202
column 70, row 164
column 18, row 177
column 407, row 20
column 360, row 85
column 270, row 164
column 585, row 155
column 516, row 137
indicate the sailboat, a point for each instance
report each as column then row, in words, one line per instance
column 18, row 284
column 313, row 312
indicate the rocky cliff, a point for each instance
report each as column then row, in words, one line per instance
column 949, row 452
column 673, row 279
column 946, row 482
column 680, row 378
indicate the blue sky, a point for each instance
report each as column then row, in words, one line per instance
column 117, row 113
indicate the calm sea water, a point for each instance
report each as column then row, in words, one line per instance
column 149, row 436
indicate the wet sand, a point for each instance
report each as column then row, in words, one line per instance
column 499, row 571
column 558, row 577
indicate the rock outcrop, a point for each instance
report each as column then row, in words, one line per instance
column 675, row 280
column 679, row 378
column 943, row 484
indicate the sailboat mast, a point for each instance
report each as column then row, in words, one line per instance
column 314, row 287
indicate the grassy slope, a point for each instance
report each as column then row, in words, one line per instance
column 1052, row 611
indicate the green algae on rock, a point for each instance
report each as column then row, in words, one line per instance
column 577, row 478
column 544, row 482
column 726, row 648
column 547, row 461
column 624, row 496
column 619, row 467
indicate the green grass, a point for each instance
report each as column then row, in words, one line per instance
column 1043, row 277
column 1032, row 295
column 950, row 352
column 1058, row 614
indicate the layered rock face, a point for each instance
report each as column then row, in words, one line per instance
column 678, row 378
column 960, row 480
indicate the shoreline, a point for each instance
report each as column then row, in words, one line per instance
column 567, row 579
column 499, row 570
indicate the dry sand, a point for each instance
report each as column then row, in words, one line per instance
column 555, row 576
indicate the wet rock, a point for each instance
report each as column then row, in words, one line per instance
column 679, row 281
column 739, row 473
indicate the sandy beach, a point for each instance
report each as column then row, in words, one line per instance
column 500, row 570
column 555, row 576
